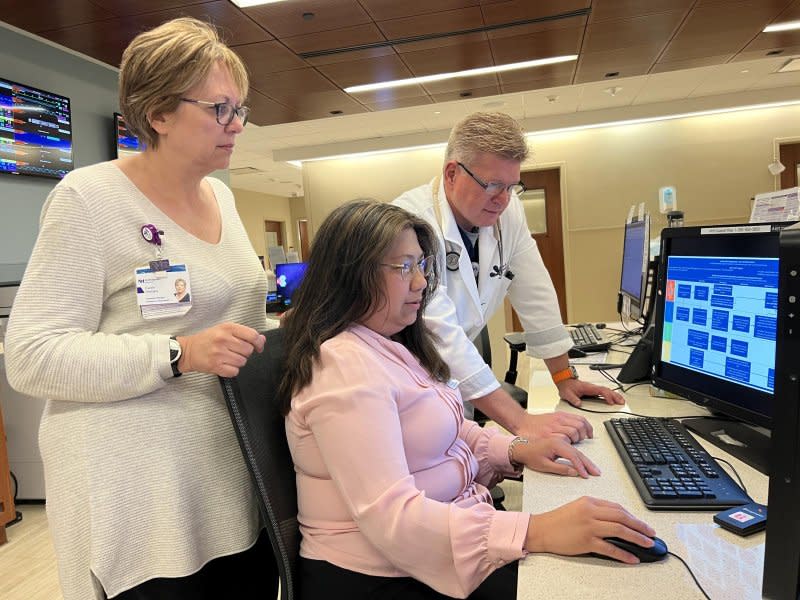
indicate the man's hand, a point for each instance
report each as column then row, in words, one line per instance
column 571, row 390
column 569, row 427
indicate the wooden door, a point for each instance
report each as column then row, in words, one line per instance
column 790, row 158
column 302, row 232
column 542, row 203
column 273, row 232
column 7, row 509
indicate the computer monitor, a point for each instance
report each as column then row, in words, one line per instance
column 782, row 547
column 633, row 279
column 714, row 339
column 287, row 277
column 125, row 143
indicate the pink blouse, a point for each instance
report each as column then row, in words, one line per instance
column 391, row 480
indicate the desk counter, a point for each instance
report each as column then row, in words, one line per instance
column 728, row 567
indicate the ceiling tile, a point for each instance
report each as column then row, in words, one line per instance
column 268, row 57
column 474, row 93
column 441, row 42
column 649, row 30
column 382, row 10
column 345, row 37
column 518, row 10
column 672, row 85
column 265, row 111
column 627, row 62
column 461, row 84
column 103, row 43
column 123, row 8
column 606, row 10
column 691, row 63
column 440, row 22
column 396, row 102
column 508, row 87
column 449, row 59
column 284, row 19
column 42, row 15
column 531, row 28
column 544, row 44
column 558, row 71
column 594, row 96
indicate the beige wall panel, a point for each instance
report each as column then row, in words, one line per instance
column 255, row 208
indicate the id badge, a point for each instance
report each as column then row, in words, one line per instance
column 161, row 294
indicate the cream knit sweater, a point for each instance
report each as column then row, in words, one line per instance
column 144, row 475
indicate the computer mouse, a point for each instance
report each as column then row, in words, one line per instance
column 657, row 552
column 593, row 397
column 576, row 353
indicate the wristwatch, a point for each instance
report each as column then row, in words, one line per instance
column 175, row 353
column 564, row 374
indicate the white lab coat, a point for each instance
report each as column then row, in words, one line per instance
column 460, row 308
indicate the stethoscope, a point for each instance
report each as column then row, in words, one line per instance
column 452, row 257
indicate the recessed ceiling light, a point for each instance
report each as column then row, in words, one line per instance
column 382, row 85
column 613, row 91
column 744, row 71
column 788, row 26
column 552, row 99
column 247, row 3
column 612, row 74
column 774, row 52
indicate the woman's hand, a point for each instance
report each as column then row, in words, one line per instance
column 543, row 455
column 581, row 526
column 220, row 350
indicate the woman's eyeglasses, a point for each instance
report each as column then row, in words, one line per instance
column 225, row 111
column 408, row 269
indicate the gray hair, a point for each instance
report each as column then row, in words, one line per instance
column 160, row 65
column 487, row 132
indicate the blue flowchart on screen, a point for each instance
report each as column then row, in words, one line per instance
column 721, row 319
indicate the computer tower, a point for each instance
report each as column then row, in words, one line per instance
column 782, row 549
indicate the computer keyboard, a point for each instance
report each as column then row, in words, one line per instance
column 670, row 470
column 588, row 338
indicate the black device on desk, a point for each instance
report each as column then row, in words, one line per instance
column 715, row 328
column 670, row 470
column 587, row 338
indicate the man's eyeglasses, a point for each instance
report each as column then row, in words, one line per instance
column 408, row 269
column 495, row 187
column 225, row 111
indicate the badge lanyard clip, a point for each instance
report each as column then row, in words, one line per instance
column 153, row 235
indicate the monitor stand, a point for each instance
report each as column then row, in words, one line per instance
column 743, row 441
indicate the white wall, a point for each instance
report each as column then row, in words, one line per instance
column 255, row 208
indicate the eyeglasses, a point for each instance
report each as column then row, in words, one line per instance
column 424, row 266
column 225, row 111
column 495, row 187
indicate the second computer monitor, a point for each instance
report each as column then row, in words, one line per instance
column 287, row 278
column 635, row 256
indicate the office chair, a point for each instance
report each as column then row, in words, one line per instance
column 253, row 404
column 516, row 342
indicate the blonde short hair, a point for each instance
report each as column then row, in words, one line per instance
column 487, row 132
column 160, row 65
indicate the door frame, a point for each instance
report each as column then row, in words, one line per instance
column 778, row 142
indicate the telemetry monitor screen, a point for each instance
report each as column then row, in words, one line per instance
column 635, row 256
column 716, row 317
column 35, row 131
column 126, row 142
column 287, row 277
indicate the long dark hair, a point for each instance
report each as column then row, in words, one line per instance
column 344, row 282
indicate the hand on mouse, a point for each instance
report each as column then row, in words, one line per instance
column 580, row 526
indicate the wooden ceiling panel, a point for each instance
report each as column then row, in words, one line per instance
column 473, row 93
column 284, row 19
column 449, row 59
column 534, row 84
column 320, row 105
column 399, row 103
column 103, row 43
column 691, row 63
column 648, row 30
column 517, row 10
column 558, row 71
column 405, row 94
column 627, row 62
column 43, row 15
column 382, row 10
column 288, row 86
column 775, row 40
column 123, row 8
column 441, row 42
column 787, row 51
column 440, row 22
column 461, row 84
column 607, row 10
column 544, row 44
column 268, row 57
column 358, row 72
column 721, row 29
column 340, row 38
column 265, row 111
column 578, row 22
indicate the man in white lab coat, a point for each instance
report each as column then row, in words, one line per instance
column 487, row 253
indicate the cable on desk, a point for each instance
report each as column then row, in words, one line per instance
column 18, row 516
column 741, row 483
column 688, row 568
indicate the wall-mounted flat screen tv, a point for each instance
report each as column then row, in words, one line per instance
column 126, row 143
column 35, row 131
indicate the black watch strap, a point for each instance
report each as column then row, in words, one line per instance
column 174, row 356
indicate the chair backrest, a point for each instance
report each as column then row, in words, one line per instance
column 253, row 404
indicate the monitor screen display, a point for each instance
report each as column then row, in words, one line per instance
column 126, row 142
column 716, row 317
column 287, row 277
column 635, row 256
column 35, row 131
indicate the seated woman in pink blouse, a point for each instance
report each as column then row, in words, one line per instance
column 392, row 482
